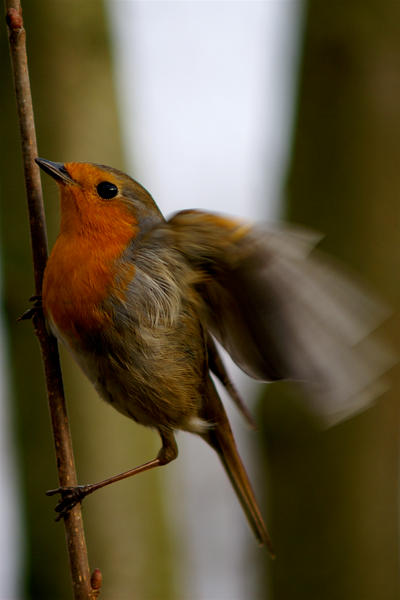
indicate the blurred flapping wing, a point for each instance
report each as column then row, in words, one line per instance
column 284, row 311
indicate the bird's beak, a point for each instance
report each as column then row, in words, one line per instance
column 55, row 169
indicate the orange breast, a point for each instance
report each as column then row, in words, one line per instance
column 79, row 275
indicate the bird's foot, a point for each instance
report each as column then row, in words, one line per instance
column 70, row 497
column 33, row 310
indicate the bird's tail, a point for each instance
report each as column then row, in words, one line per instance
column 219, row 436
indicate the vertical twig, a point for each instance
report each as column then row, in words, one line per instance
column 75, row 536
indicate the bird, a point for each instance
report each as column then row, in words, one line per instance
column 142, row 303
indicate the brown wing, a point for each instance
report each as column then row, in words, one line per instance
column 284, row 312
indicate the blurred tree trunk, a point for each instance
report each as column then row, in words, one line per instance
column 76, row 119
column 334, row 495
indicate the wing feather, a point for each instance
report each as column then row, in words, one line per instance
column 284, row 311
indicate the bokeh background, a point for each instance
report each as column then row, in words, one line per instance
column 271, row 109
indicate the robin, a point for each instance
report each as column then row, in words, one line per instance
column 139, row 301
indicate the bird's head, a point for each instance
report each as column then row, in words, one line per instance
column 97, row 199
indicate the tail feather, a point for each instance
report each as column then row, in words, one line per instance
column 221, row 439
column 218, row 368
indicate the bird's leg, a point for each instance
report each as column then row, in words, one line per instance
column 70, row 496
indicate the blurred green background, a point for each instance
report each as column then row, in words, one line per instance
column 332, row 497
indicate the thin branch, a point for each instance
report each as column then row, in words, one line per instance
column 75, row 536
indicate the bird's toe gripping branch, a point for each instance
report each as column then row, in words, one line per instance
column 70, row 497
column 31, row 312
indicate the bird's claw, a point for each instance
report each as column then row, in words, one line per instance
column 70, row 497
column 33, row 310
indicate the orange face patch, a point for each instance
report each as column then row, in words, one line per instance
column 81, row 269
column 83, row 211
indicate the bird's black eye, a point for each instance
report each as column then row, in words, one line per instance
column 107, row 190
